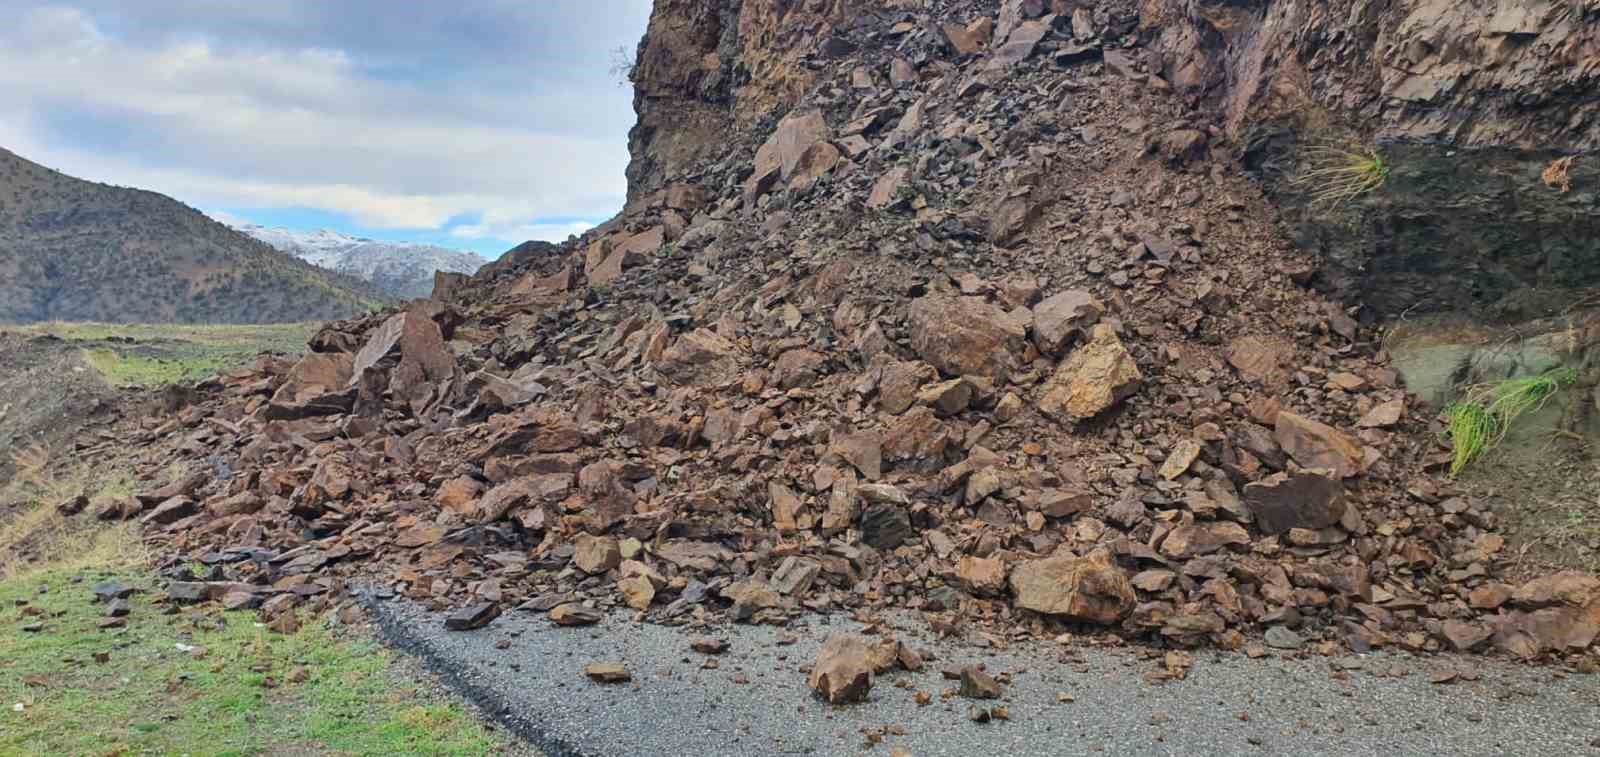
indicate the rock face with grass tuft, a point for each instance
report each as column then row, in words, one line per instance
column 1480, row 419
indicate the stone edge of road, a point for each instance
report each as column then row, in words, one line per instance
column 392, row 628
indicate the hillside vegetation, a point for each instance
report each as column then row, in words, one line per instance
column 75, row 250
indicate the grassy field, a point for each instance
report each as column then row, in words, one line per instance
column 150, row 355
column 197, row 681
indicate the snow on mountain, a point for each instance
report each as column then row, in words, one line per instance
column 399, row 268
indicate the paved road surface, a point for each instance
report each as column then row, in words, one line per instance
column 1228, row 705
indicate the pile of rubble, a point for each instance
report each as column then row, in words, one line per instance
column 985, row 327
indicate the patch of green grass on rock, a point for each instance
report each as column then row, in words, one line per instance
column 232, row 688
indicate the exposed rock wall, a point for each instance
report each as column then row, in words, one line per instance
column 1467, row 101
column 708, row 67
column 1474, row 73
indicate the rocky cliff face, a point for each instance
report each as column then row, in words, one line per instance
column 1470, row 102
column 1472, row 73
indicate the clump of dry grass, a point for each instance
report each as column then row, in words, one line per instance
column 36, row 537
column 1337, row 175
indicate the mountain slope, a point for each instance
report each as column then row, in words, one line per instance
column 78, row 250
column 400, row 269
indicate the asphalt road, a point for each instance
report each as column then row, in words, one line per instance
column 529, row 675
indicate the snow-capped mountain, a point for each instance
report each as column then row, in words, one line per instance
column 399, row 268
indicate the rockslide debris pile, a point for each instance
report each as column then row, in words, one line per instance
column 980, row 322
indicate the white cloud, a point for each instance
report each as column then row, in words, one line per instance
column 543, row 232
column 220, row 125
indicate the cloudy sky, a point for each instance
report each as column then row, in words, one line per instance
column 476, row 124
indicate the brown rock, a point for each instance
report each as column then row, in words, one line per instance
column 970, row 39
column 982, row 576
column 863, row 450
column 170, row 511
column 709, row 646
column 1154, row 580
column 637, row 591
column 607, row 672
column 1182, row 456
column 947, row 397
column 469, row 618
column 1094, row 379
column 795, row 575
column 976, row 684
column 1489, row 596
column 1383, row 415
column 502, row 499
column 750, row 597
column 898, row 388
column 1090, row 589
column 1309, row 499
column 319, row 384
column 574, row 614
column 901, row 72
column 888, row 189
column 1266, row 360
column 1565, row 588
column 963, row 336
column 1463, row 636
column 596, row 554
column 814, row 163
column 1318, row 445
column 1065, row 503
column 701, row 356
column 1063, row 317
column 918, row 435
column 798, row 368
column 794, row 135
column 1198, row 539
column 785, row 506
column 843, row 670
column 459, row 495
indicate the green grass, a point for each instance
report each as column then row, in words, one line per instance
column 142, row 371
column 149, row 697
column 1480, row 419
column 1338, row 175
column 164, row 354
column 234, row 698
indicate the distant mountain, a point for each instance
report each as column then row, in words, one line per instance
column 75, row 250
column 399, row 269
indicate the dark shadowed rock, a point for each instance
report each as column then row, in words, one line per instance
column 1309, row 499
column 469, row 618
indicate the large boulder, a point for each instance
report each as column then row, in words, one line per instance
column 1063, row 317
column 843, row 670
column 317, row 385
column 701, row 357
column 785, row 153
column 964, row 336
column 1309, row 499
column 1094, row 379
column 1090, row 589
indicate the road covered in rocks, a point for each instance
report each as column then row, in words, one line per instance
column 683, row 697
